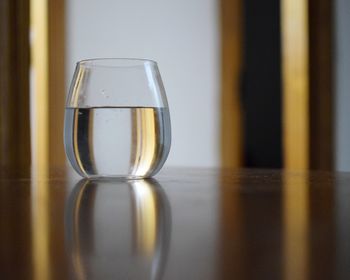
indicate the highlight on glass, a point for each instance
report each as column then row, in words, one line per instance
column 117, row 121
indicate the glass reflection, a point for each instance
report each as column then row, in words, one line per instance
column 118, row 229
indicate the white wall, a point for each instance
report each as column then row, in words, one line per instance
column 183, row 36
column 342, row 82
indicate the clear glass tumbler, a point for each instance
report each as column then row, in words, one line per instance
column 117, row 121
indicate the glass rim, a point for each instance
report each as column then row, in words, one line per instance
column 115, row 62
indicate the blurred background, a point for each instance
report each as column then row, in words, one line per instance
column 258, row 84
column 249, row 83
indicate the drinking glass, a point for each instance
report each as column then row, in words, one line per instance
column 117, row 121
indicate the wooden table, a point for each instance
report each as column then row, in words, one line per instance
column 183, row 224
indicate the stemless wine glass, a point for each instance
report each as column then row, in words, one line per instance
column 117, row 121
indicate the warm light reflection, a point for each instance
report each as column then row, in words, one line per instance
column 39, row 82
column 231, row 17
column 294, row 31
column 231, row 223
column 82, row 75
column 40, row 229
column 39, row 123
column 296, row 226
column 145, row 217
column 145, row 144
column 75, row 142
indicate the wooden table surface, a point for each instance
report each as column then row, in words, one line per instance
column 183, row 224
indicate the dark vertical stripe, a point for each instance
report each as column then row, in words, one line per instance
column 263, row 235
column 322, row 229
column 261, row 84
column 14, row 83
column 84, row 132
column 15, row 232
column 321, row 84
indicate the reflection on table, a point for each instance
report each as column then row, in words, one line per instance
column 189, row 224
column 117, row 229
